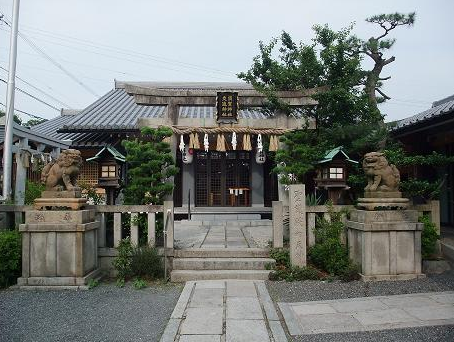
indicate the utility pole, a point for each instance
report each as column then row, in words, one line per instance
column 9, row 115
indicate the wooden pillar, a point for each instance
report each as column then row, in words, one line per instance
column 297, row 212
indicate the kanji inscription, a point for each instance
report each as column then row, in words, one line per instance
column 227, row 106
column 297, row 212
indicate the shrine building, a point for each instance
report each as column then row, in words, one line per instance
column 223, row 143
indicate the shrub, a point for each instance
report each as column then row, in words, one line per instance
column 32, row 191
column 282, row 270
column 92, row 283
column 145, row 262
column 122, row 261
column 329, row 253
column 429, row 237
column 139, row 283
column 295, row 273
column 10, row 257
column 133, row 261
column 281, row 255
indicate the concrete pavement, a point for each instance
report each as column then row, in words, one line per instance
column 369, row 313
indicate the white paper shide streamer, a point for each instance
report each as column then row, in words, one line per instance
column 181, row 144
column 234, row 140
column 206, row 144
column 259, row 143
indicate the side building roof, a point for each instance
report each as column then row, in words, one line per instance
column 439, row 110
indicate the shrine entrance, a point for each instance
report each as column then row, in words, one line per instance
column 222, row 178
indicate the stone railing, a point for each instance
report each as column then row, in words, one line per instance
column 307, row 218
column 112, row 220
column 13, row 215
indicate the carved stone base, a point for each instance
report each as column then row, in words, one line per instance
column 62, row 194
column 386, row 244
column 382, row 194
column 372, row 203
column 59, row 248
column 49, row 203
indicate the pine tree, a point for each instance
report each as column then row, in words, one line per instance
column 150, row 167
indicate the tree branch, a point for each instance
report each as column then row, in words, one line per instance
column 389, row 60
column 384, row 78
column 383, row 94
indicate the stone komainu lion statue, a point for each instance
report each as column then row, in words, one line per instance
column 380, row 175
column 62, row 174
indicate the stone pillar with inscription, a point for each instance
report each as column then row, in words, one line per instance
column 59, row 237
column 384, row 237
column 297, row 214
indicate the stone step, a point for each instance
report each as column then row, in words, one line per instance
column 236, row 223
column 221, row 263
column 188, row 275
column 447, row 248
column 221, row 253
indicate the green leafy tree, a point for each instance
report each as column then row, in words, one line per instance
column 34, row 122
column 150, row 167
column 347, row 114
column 16, row 118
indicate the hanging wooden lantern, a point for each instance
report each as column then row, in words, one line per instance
column 260, row 157
column 187, row 155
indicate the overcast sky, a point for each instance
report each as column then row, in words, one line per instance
column 98, row 41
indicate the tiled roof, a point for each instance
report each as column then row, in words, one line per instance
column 332, row 153
column 188, row 85
column 85, row 139
column 442, row 107
column 116, row 110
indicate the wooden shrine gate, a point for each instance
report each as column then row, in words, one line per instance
column 222, row 178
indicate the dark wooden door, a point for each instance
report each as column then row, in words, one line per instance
column 216, row 173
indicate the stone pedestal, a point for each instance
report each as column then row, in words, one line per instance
column 386, row 243
column 60, row 199
column 59, row 249
column 383, row 200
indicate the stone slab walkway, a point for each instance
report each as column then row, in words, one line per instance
column 369, row 313
column 224, row 311
column 227, row 234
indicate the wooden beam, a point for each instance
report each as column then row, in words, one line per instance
column 210, row 101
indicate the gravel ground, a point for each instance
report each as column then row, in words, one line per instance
column 105, row 313
column 310, row 290
column 301, row 291
column 426, row 334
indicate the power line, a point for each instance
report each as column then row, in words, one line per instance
column 30, row 115
column 208, row 71
column 50, row 59
column 40, row 90
column 33, row 96
column 123, row 51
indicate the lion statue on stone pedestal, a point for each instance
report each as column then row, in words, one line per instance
column 380, row 175
column 62, row 174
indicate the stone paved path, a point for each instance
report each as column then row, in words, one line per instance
column 224, row 310
column 369, row 313
column 227, row 234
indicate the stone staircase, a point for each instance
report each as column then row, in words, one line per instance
column 225, row 250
